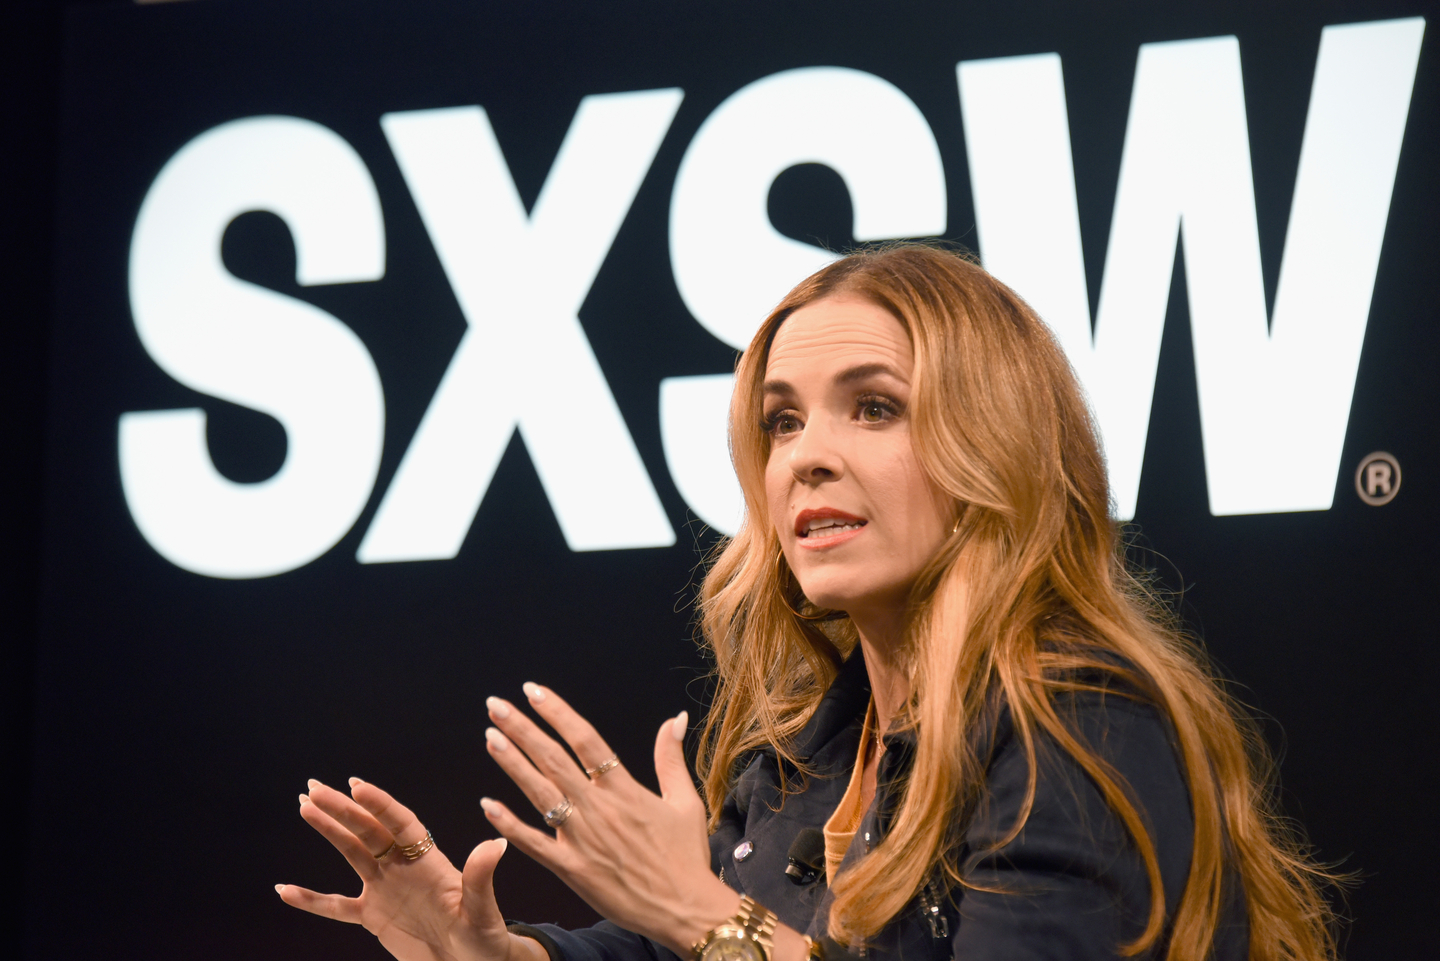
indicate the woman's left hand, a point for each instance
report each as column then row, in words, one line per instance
column 640, row 859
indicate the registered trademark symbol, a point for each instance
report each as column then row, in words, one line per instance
column 1377, row 479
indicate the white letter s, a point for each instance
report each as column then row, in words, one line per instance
column 732, row 266
column 234, row 340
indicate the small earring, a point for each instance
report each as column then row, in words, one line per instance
column 780, row 586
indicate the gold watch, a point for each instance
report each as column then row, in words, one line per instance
column 745, row 937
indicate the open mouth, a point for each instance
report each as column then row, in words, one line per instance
column 825, row 523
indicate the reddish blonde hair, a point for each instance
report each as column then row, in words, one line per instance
column 1029, row 592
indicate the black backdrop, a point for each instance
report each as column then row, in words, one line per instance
column 172, row 718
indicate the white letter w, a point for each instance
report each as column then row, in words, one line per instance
column 1274, row 397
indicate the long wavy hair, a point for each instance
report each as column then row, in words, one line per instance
column 1030, row 592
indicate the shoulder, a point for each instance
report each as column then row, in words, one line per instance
column 1096, row 694
column 1106, row 712
column 1126, row 732
column 1069, row 825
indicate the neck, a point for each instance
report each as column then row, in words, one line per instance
column 880, row 641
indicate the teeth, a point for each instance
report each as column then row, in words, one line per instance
column 831, row 527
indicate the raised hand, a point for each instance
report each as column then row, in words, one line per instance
column 421, row 909
column 638, row 858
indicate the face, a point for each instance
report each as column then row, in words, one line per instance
column 856, row 516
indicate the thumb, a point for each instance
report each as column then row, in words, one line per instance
column 676, row 784
column 478, row 883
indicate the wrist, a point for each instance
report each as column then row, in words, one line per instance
column 754, row 933
column 717, row 904
column 522, row 948
column 790, row 945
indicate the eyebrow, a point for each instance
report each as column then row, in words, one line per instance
column 847, row 376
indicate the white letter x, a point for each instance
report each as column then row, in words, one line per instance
column 524, row 361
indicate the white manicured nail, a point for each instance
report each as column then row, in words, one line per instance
column 498, row 708
column 677, row 726
column 504, row 843
column 304, row 799
column 355, row 782
column 533, row 691
column 488, row 806
column 496, row 739
column 279, row 888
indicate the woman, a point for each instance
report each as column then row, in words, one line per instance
column 928, row 649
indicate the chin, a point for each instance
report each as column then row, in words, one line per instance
column 832, row 594
column 835, row 591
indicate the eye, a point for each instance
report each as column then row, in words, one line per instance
column 780, row 423
column 874, row 409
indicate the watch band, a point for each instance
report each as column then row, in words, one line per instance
column 758, row 921
column 754, row 922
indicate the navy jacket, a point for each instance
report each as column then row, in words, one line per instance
column 1070, row 886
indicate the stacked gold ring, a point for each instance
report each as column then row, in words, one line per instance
column 409, row 852
column 412, row 852
column 610, row 765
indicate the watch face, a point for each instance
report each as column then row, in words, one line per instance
column 733, row 949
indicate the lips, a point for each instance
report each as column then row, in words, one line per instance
column 815, row 526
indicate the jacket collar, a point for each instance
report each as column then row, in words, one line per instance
column 838, row 717
column 843, row 703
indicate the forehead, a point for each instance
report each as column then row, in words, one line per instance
column 835, row 334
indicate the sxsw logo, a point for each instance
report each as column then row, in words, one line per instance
column 1274, row 392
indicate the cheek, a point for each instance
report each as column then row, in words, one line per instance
column 912, row 503
column 777, row 492
column 929, row 515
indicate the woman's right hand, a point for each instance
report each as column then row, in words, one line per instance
column 421, row 910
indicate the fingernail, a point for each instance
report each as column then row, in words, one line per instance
column 497, row 707
column 533, row 691
column 304, row 799
column 504, row 843
column 677, row 726
column 312, row 784
column 496, row 739
column 356, row 782
column 279, row 888
column 488, row 806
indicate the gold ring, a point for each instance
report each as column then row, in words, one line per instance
column 610, row 765
column 412, row 852
column 560, row 813
column 387, row 852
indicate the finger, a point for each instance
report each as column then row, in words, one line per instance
column 335, row 906
column 395, row 817
column 577, row 732
column 536, row 843
column 538, row 788
column 357, row 820
column 478, row 884
column 338, row 835
column 677, row 786
column 544, row 751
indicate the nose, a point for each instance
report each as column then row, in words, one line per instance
column 815, row 456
